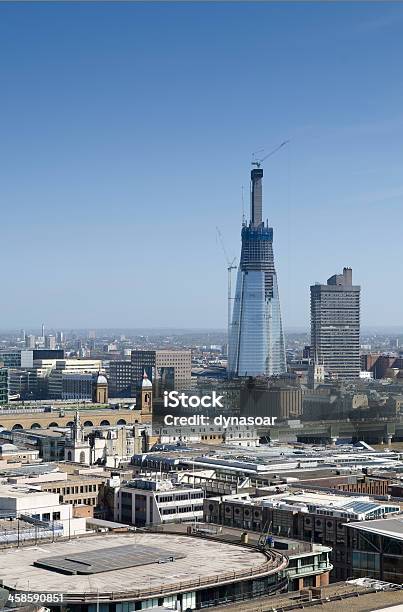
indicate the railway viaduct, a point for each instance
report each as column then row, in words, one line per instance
column 39, row 419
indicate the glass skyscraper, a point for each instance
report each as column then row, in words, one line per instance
column 256, row 340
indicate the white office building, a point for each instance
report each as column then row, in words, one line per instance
column 24, row 501
column 146, row 502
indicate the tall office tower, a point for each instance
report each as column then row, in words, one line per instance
column 256, row 341
column 335, row 326
column 119, row 378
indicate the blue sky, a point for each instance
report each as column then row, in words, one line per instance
column 126, row 135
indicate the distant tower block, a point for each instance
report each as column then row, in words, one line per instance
column 335, row 326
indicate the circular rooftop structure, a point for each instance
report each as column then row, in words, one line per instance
column 139, row 567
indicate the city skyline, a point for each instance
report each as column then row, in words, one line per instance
column 137, row 139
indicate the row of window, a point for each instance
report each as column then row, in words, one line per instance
column 181, row 510
column 90, row 501
column 178, row 497
column 73, row 490
column 47, row 516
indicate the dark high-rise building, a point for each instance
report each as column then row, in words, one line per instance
column 256, row 341
column 335, row 326
column 120, row 378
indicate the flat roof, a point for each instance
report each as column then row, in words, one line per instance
column 325, row 499
column 203, row 559
column 28, row 469
column 392, row 527
column 23, row 490
column 113, row 558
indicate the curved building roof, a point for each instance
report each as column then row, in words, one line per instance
column 163, row 563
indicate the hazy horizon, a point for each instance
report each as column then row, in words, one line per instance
column 381, row 329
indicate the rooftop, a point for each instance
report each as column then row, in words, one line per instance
column 19, row 568
column 392, row 527
column 21, row 491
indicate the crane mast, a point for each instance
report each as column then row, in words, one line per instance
column 231, row 265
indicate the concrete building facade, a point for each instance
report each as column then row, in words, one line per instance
column 152, row 502
column 335, row 326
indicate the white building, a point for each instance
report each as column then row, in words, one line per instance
column 77, row 449
column 355, row 507
column 28, row 501
column 110, row 446
column 146, row 502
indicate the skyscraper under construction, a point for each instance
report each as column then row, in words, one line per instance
column 256, row 341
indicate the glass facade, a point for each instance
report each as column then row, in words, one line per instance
column 10, row 359
column 256, row 341
column 376, row 555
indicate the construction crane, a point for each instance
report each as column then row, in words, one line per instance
column 258, row 162
column 231, row 265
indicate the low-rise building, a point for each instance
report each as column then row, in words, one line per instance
column 209, row 434
column 375, row 549
column 72, row 489
column 107, row 446
column 313, row 517
column 176, row 572
column 151, row 502
column 29, row 502
column 24, row 454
